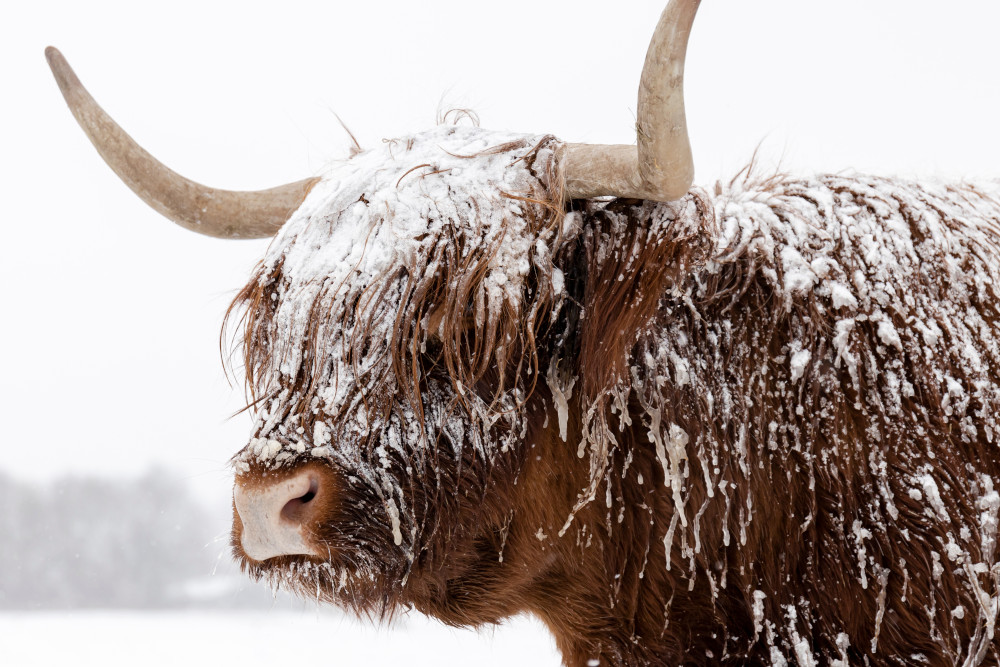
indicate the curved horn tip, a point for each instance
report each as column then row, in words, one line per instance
column 57, row 61
column 209, row 211
column 67, row 80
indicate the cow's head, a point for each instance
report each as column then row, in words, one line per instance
column 399, row 333
column 390, row 343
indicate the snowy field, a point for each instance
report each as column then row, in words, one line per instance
column 249, row 639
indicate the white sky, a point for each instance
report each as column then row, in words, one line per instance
column 110, row 331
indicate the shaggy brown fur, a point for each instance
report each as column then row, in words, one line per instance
column 781, row 445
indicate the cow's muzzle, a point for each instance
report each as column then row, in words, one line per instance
column 279, row 515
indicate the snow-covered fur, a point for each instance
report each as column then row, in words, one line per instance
column 819, row 382
column 391, row 332
column 756, row 425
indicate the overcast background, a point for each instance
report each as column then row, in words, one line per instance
column 110, row 332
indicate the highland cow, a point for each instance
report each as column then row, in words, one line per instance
column 497, row 374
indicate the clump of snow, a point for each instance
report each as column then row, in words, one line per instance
column 799, row 276
column 562, row 392
column 841, row 296
column 888, row 334
column 758, row 612
column 843, row 643
column 799, row 362
column 933, row 495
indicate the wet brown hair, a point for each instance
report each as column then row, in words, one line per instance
column 782, row 394
column 437, row 314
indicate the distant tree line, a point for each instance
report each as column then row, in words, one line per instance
column 114, row 543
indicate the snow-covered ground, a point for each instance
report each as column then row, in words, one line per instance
column 251, row 639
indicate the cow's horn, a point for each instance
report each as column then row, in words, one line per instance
column 660, row 167
column 220, row 213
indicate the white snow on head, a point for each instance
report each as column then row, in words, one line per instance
column 435, row 246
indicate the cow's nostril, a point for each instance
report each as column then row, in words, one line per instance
column 294, row 510
column 279, row 517
column 313, row 489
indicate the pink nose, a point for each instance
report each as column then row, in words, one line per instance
column 276, row 515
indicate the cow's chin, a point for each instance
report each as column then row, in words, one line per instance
column 367, row 590
column 367, row 584
column 307, row 530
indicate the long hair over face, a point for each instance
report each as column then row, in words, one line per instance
column 391, row 329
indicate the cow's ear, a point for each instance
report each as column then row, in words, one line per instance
column 636, row 252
